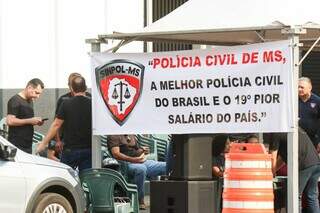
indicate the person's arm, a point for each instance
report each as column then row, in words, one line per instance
column 120, row 156
column 317, row 131
column 274, row 144
column 59, row 113
column 145, row 149
column 217, row 172
column 279, row 163
column 59, row 145
column 13, row 110
column 51, row 155
column 218, row 165
column 317, row 135
column 274, row 154
column 57, row 123
column 12, row 120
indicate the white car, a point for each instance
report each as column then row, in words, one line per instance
column 32, row 184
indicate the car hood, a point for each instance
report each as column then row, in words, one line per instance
column 24, row 157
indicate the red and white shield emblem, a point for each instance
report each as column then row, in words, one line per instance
column 120, row 85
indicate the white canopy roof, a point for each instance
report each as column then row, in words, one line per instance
column 231, row 22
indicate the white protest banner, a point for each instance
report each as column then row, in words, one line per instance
column 220, row 90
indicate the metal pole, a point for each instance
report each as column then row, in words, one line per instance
column 148, row 20
column 292, row 165
column 96, row 143
column 293, row 173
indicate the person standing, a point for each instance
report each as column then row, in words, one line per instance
column 309, row 111
column 55, row 146
column 20, row 115
column 75, row 115
column 309, row 166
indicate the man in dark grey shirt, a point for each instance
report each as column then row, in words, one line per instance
column 309, row 166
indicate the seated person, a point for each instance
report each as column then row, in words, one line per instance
column 252, row 138
column 220, row 146
column 126, row 148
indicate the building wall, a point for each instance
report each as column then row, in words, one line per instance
column 161, row 8
column 43, row 107
column 311, row 69
column 46, row 39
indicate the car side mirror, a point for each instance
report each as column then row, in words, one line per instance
column 7, row 152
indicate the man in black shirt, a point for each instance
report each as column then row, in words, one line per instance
column 309, row 166
column 20, row 115
column 55, row 147
column 75, row 115
column 309, row 111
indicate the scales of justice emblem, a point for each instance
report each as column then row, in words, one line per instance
column 120, row 84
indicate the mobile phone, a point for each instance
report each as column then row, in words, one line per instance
column 45, row 119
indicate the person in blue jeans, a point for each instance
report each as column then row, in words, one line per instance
column 125, row 148
column 309, row 167
column 75, row 116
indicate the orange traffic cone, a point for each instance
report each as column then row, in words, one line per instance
column 248, row 186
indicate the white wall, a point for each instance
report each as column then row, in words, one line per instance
column 46, row 38
column 125, row 16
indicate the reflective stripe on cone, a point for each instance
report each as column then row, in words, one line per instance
column 248, row 164
column 248, row 205
column 248, row 184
